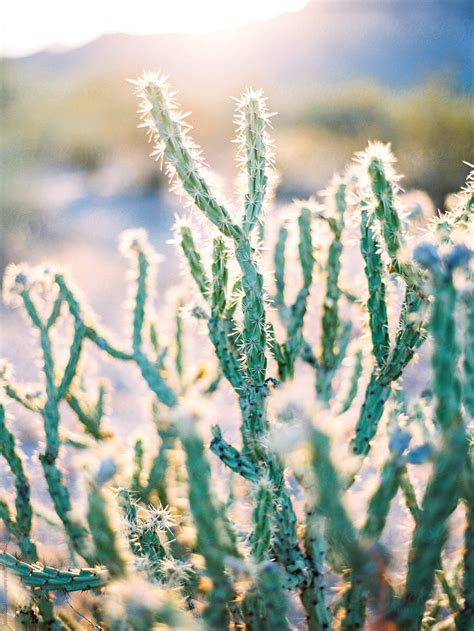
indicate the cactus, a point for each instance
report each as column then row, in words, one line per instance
column 442, row 492
column 198, row 532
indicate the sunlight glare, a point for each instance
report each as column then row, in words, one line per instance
column 31, row 26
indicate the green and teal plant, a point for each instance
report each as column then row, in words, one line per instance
column 185, row 529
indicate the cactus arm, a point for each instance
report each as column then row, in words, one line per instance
column 389, row 219
column 297, row 311
column 330, row 322
column 355, row 376
column 55, row 312
column 254, row 334
column 156, row 482
column 468, row 362
column 262, row 521
column 51, row 579
column 280, row 264
column 88, row 413
column 465, row 616
column 172, row 143
column 220, row 278
column 90, row 330
column 99, row 340
column 102, row 530
column 50, row 413
column 286, row 545
column 254, row 154
column 380, row 501
column 411, row 334
column 376, row 395
column 313, row 597
column 152, row 376
column 293, row 316
column 340, row 531
column 355, row 598
column 443, row 490
column 409, row 494
column 228, row 358
column 377, row 302
column 273, row 598
column 179, row 345
column 219, row 327
column 140, row 302
column 232, row 458
column 74, row 356
column 16, row 394
column 21, row 526
column 205, row 515
column 194, row 260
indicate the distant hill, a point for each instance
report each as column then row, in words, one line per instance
column 397, row 43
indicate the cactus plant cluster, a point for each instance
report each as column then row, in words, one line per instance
column 211, row 531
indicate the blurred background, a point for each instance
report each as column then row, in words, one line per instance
column 76, row 169
column 338, row 72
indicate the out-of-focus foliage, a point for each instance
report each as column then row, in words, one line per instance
column 430, row 128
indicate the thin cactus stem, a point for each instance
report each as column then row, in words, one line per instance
column 50, row 413
column 330, row 321
column 468, row 361
column 377, row 302
column 210, row 543
column 231, row 457
column 179, row 351
column 89, row 414
column 356, row 597
column 292, row 316
column 262, row 520
column 255, row 155
column 390, row 223
column 410, row 335
column 51, row 579
column 286, row 545
column 340, row 531
column 357, row 370
column 279, row 263
column 313, row 595
column 194, row 260
column 443, row 490
column 273, row 598
column 105, row 539
column 21, row 525
column 465, row 615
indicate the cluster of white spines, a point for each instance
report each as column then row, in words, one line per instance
column 175, row 571
column 133, row 241
column 22, row 277
column 380, row 152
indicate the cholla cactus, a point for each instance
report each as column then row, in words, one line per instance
column 197, row 532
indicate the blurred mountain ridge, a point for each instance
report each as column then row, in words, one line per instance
column 397, row 43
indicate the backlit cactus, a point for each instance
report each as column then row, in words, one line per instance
column 185, row 529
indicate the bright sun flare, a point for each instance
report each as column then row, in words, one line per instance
column 30, row 26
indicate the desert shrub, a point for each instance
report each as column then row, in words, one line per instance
column 168, row 537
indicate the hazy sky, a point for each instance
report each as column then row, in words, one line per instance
column 29, row 25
